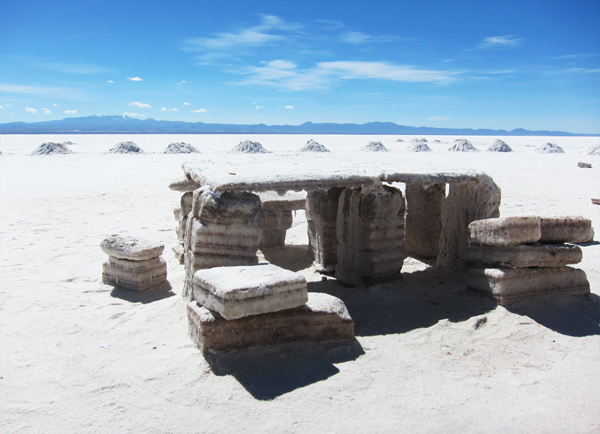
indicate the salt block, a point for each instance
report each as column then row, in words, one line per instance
column 584, row 165
column 527, row 255
column 228, row 208
column 236, row 292
column 505, row 231
column 374, row 202
column 178, row 252
column 177, row 213
column 186, row 203
column 423, row 225
column 321, row 214
column 131, row 248
column 573, row 229
column 276, row 220
column 272, row 238
column 134, row 275
column 510, row 285
column 322, row 318
column 222, row 235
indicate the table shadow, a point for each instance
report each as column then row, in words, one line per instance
column 159, row 292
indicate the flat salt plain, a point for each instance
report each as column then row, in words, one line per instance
column 78, row 356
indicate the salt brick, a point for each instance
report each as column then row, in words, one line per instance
column 505, row 231
column 527, row 255
column 134, row 249
column 134, row 275
column 574, row 229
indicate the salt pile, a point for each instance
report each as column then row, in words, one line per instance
column 549, row 148
column 312, row 146
column 593, row 150
column 418, row 145
column 181, row 148
column 126, row 148
column 250, row 147
column 499, row 146
column 462, row 145
column 51, row 148
column 374, row 147
column 400, row 140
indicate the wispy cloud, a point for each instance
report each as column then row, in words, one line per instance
column 285, row 74
column 55, row 105
column 573, row 56
column 182, row 82
column 46, row 111
column 139, row 104
column 289, row 107
column 71, row 112
column 73, row 68
column 30, row 110
column 134, row 79
column 362, row 38
column 260, row 107
column 199, row 111
column 164, row 109
column 131, row 115
column 186, row 103
column 1, row 108
column 109, row 81
column 498, row 42
column 584, row 70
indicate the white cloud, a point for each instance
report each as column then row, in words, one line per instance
column 438, row 118
column 363, row 38
column 164, row 109
column 584, row 70
column 134, row 79
column 71, row 112
column 46, row 111
column 132, row 115
column 55, row 105
column 493, row 42
column 8, row 105
column 283, row 74
column 30, row 110
column 289, row 107
column 182, row 82
column 186, row 103
column 140, row 104
column 199, row 111
column 109, row 81
column 260, row 107
column 1, row 108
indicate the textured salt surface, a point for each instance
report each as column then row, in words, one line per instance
column 462, row 145
column 499, row 146
column 250, row 147
column 181, row 148
column 51, row 148
column 126, row 148
column 312, row 146
column 549, row 148
column 593, row 150
column 418, row 146
column 374, row 147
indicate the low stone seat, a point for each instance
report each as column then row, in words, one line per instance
column 237, row 292
column 322, row 318
column 131, row 248
column 506, row 231
column 570, row 229
column 526, row 255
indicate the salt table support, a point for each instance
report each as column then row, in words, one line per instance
column 466, row 202
column 133, row 263
column 273, row 227
column 423, row 219
column 521, row 267
column 370, row 233
column 321, row 217
column 222, row 230
column 187, row 186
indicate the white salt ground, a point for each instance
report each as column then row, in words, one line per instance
column 80, row 357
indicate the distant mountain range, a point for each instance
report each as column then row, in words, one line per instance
column 123, row 124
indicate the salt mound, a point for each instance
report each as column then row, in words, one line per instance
column 51, row 148
column 374, row 147
column 593, row 150
column 400, row 140
column 126, row 148
column 418, row 146
column 422, row 140
column 499, row 146
column 463, row 145
column 549, row 148
column 181, row 148
column 250, row 147
column 312, row 146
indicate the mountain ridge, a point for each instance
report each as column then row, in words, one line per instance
column 120, row 124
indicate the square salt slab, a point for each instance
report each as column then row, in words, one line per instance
column 506, row 231
column 237, row 292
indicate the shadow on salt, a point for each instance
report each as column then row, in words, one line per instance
column 159, row 292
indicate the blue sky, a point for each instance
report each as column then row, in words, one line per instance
column 459, row 64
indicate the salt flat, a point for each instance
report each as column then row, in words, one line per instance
column 78, row 356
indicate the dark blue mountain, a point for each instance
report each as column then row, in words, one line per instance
column 123, row 124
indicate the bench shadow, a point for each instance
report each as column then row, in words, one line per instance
column 293, row 257
column 571, row 315
column 159, row 292
column 418, row 300
column 267, row 372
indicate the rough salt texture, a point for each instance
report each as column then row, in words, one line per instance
column 593, row 150
column 374, row 147
column 418, row 147
column 273, row 227
column 181, row 148
column 321, row 216
column 529, row 255
column 184, row 184
column 465, row 203
column 179, row 253
column 250, row 147
column 506, row 231
column 499, row 146
column 510, row 285
column 49, row 148
column 126, row 148
column 131, row 248
column 571, row 229
column 322, row 318
column 584, row 165
column 370, row 233
column 235, row 208
column 134, row 275
column 236, row 292
column 312, row 146
column 290, row 201
column 423, row 225
column 549, row 148
column 463, row 145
